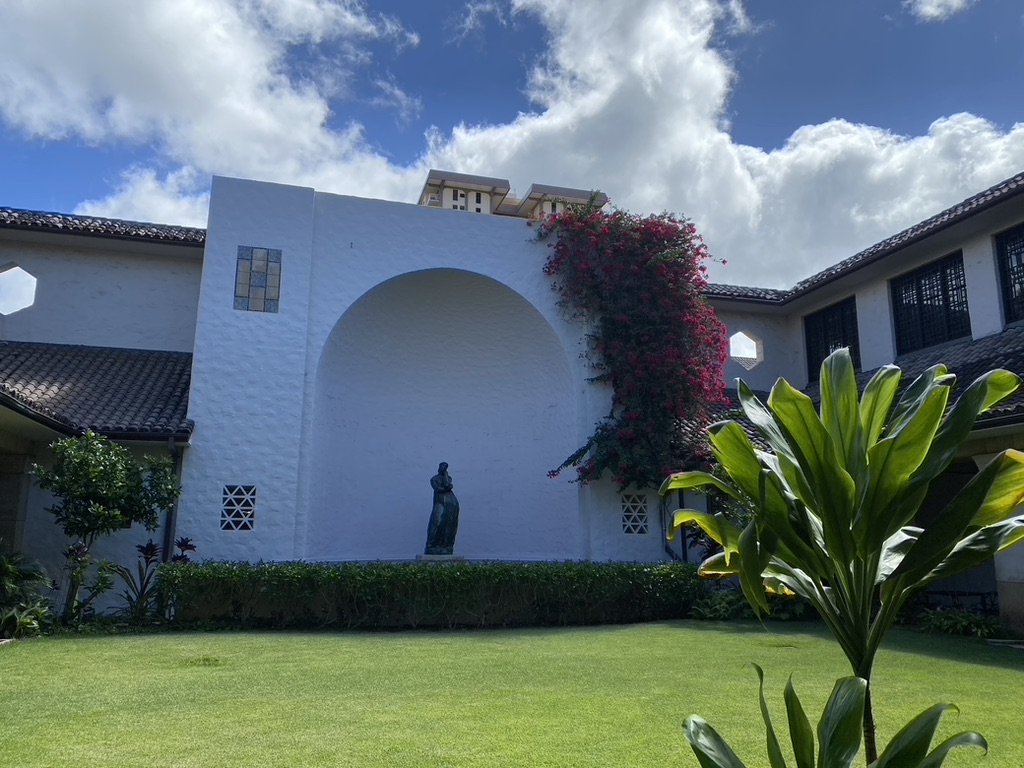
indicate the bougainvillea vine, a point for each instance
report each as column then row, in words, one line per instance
column 637, row 283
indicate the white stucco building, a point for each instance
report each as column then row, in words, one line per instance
column 310, row 358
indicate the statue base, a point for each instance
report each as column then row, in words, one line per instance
column 440, row 559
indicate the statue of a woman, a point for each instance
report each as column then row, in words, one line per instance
column 444, row 517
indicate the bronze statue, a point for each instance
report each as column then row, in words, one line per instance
column 444, row 517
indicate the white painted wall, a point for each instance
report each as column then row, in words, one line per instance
column 442, row 365
column 248, row 374
column 406, row 336
column 782, row 343
column 106, row 297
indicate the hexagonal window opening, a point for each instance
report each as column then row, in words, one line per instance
column 17, row 289
column 746, row 349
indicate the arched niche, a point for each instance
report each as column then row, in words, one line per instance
column 442, row 365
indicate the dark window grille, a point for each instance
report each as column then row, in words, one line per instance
column 930, row 305
column 1010, row 252
column 829, row 329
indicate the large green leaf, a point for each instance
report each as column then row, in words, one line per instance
column 716, row 526
column 876, row 402
column 891, row 462
column 800, row 733
column 910, row 746
column 990, row 497
column 910, row 400
column 710, row 749
column 685, row 481
column 753, row 558
column 965, row 739
column 840, row 409
column 983, row 393
column 775, row 758
column 841, row 726
column 976, row 549
column 815, row 452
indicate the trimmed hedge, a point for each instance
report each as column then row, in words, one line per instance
column 410, row 595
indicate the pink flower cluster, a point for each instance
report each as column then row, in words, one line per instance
column 638, row 284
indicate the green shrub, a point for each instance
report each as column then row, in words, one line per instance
column 960, row 621
column 23, row 609
column 411, row 595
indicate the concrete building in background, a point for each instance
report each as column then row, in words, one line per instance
column 310, row 358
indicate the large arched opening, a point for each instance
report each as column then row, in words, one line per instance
column 442, row 365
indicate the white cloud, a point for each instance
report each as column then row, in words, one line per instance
column 629, row 98
column 392, row 96
column 474, row 17
column 182, row 197
column 936, row 10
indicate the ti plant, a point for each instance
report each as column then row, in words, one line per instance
column 838, row 734
column 835, row 499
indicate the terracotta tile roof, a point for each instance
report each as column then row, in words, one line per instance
column 1001, row 192
column 747, row 293
column 128, row 394
column 66, row 223
column 968, row 359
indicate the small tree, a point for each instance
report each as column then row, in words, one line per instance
column 835, row 501
column 101, row 489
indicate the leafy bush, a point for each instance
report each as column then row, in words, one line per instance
column 23, row 609
column 410, row 595
column 100, row 489
column 960, row 621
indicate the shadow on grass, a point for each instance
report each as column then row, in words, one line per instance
column 967, row 650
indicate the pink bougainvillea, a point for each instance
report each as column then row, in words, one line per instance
column 637, row 283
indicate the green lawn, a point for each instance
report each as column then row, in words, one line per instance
column 605, row 696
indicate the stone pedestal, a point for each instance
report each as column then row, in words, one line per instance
column 439, row 559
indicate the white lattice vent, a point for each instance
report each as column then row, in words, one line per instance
column 238, row 512
column 634, row 513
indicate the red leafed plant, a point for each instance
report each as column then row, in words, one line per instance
column 638, row 282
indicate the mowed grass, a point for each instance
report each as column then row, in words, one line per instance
column 599, row 696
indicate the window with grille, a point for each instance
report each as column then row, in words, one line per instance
column 1010, row 253
column 930, row 305
column 634, row 513
column 238, row 511
column 828, row 330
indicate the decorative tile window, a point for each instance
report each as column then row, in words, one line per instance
column 634, row 513
column 238, row 511
column 930, row 305
column 258, row 279
column 830, row 329
column 1010, row 253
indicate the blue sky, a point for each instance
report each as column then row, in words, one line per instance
column 793, row 132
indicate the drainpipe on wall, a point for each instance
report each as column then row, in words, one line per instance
column 172, row 514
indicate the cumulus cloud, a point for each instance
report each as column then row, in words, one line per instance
column 181, row 196
column 629, row 98
column 936, row 10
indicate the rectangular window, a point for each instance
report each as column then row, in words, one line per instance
column 479, row 199
column 930, row 305
column 828, row 330
column 1010, row 253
